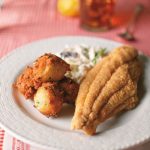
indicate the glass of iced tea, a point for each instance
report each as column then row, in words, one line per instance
column 96, row 15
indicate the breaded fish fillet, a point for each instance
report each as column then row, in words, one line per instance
column 109, row 84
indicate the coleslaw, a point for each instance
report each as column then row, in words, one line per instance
column 81, row 59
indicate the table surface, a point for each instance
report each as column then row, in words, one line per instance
column 23, row 21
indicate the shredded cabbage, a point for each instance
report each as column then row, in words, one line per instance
column 81, row 59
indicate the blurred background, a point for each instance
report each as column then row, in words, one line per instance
column 23, row 21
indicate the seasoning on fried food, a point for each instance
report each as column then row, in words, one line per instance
column 48, row 99
column 70, row 88
column 26, row 83
column 49, row 67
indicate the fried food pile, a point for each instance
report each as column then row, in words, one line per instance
column 108, row 88
column 46, row 84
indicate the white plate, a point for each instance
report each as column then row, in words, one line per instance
column 22, row 120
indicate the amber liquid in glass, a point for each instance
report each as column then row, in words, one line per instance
column 96, row 15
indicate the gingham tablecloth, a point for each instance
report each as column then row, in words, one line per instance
column 24, row 21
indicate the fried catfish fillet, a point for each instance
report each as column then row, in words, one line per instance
column 108, row 88
column 49, row 67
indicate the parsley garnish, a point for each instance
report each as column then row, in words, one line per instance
column 99, row 53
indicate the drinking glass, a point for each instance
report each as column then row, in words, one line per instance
column 96, row 15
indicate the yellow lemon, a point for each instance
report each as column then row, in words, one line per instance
column 68, row 7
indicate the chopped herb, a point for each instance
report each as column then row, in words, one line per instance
column 37, row 102
column 100, row 53
column 94, row 60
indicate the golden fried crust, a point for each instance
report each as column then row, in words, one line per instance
column 49, row 99
column 50, row 68
column 70, row 89
column 46, row 68
column 26, row 84
column 84, row 86
column 129, row 103
column 109, row 86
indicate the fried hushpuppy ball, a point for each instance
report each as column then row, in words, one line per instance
column 50, row 68
column 26, row 84
column 70, row 88
column 48, row 99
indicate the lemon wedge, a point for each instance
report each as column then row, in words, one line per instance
column 68, row 7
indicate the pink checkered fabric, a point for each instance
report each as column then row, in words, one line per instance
column 2, row 132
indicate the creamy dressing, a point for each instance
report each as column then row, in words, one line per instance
column 81, row 59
